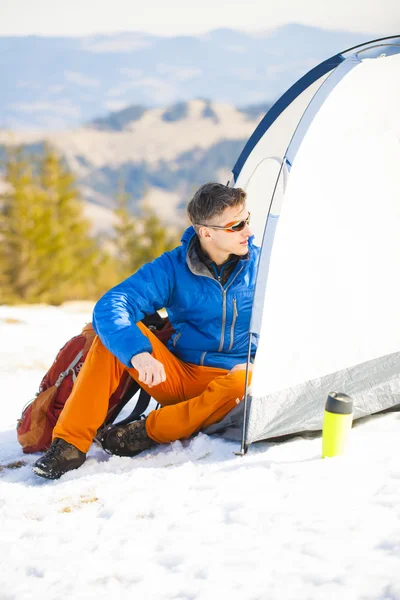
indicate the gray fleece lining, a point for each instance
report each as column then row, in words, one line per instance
column 193, row 261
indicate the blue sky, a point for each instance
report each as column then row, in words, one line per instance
column 86, row 17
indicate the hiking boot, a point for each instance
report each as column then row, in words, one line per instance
column 59, row 458
column 126, row 440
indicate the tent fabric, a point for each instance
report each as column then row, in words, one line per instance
column 300, row 360
column 283, row 103
column 326, row 87
column 374, row 386
column 329, row 84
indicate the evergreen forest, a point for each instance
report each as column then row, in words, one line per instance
column 47, row 251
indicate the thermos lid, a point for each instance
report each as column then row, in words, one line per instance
column 339, row 404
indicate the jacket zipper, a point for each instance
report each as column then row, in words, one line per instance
column 221, row 345
column 235, row 315
column 218, row 281
column 176, row 338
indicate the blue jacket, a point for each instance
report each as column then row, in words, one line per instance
column 211, row 321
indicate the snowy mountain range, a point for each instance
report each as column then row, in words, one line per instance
column 161, row 153
column 52, row 83
column 120, row 108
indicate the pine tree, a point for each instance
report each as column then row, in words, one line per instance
column 154, row 239
column 68, row 253
column 125, row 234
column 46, row 244
column 139, row 240
column 22, row 220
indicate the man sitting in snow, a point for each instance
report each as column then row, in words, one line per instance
column 206, row 285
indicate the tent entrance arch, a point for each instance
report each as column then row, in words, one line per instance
column 326, row 299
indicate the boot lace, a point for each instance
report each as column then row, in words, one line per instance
column 55, row 449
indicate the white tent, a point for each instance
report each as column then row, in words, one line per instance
column 326, row 305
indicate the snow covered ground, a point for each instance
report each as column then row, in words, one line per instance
column 191, row 520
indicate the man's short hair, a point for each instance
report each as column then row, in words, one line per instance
column 211, row 199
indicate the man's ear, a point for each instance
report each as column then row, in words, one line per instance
column 204, row 232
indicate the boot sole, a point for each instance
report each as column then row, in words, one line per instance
column 46, row 475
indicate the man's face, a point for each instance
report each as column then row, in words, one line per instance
column 230, row 242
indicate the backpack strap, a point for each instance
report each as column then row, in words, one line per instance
column 70, row 368
column 141, row 405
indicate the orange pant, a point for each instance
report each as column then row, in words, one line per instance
column 192, row 397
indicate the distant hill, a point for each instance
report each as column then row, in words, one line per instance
column 162, row 153
column 55, row 83
column 120, row 120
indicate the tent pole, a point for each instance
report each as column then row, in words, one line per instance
column 244, row 446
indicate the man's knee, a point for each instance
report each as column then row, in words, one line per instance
column 236, row 381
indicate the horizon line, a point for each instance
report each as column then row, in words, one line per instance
column 253, row 32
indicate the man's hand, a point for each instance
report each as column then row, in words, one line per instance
column 241, row 367
column 151, row 371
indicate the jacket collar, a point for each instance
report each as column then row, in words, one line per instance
column 198, row 262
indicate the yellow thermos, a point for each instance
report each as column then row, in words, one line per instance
column 338, row 419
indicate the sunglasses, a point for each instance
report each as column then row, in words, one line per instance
column 230, row 227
